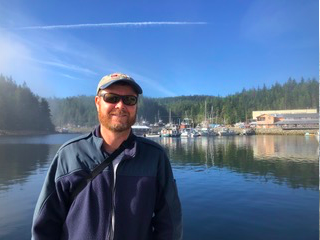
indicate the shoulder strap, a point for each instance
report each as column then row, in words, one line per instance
column 98, row 169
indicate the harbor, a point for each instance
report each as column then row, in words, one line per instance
column 156, row 132
column 271, row 122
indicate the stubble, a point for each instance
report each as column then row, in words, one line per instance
column 107, row 121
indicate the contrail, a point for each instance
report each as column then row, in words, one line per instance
column 99, row 25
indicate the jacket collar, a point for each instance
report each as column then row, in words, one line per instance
column 130, row 150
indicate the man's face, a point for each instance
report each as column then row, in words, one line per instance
column 116, row 117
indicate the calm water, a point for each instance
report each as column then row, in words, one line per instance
column 255, row 187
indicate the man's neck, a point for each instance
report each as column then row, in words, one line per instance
column 112, row 140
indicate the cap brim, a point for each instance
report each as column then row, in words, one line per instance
column 133, row 84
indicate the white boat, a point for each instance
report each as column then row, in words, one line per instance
column 152, row 135
column 140, row 130
column 170, row 131
column 204, row 131
column 185, row 134
column 165, row 132
column 195, row 133
column 248, row 131
column 226, row 132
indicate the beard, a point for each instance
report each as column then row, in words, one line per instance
column 114, row 125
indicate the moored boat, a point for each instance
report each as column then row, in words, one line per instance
column 248, row 131
column 226, row 132
column 185, row 134
column 151, row 135
column 140, row 130
column 170, row 131
column 195, row 133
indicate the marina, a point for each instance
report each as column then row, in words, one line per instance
column 125, row 109
column 277, row 122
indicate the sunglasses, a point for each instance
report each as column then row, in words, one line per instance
column 113, row 98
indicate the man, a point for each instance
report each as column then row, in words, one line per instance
column 134, row 197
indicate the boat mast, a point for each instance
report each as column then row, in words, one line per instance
column 205, row 111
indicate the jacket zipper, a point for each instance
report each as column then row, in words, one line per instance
column 113, row 212
column 110, row 234
column 113, row 205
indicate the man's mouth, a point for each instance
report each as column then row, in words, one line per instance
column 121, row 114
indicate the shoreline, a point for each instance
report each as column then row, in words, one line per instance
column 24, row 133
column 260, row 131
column 279, row 131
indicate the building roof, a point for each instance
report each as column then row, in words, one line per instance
column 295, row 116
column 297, row 121
column 266, row 114
column 300, row 116
column 290, row 111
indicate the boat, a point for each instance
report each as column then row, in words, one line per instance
column 152, row 135
column 170, row 131
column 140, row 130
column 186, row 123
column 226, row 132
column 248, row 131
column 185, row 134
column 165, row 132
column 204, row 131
column 195, row 133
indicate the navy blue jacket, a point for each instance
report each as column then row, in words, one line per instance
column 144, row 199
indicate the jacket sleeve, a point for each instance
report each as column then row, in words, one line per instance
column 167, row 219
column 52, row 206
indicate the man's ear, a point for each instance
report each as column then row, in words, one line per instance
column 97, row 102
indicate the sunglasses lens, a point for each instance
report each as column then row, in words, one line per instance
column 129, row 100
column 110, row 98
column 113, row 98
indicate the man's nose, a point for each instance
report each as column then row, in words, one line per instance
column 120, row 104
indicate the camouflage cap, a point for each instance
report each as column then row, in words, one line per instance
column 108, row 80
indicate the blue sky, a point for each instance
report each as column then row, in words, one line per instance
column 171, row 48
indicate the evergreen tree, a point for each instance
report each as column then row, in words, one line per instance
column 237, row 107
column 21, row 109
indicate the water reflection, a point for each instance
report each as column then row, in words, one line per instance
column 24, row 162
column 22, row 156
column 226, row 184
column 19, row 161
column 282, row 159
column 295, row 148
column 290, row 159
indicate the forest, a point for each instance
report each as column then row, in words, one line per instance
column 238, row 107
column 21, row 110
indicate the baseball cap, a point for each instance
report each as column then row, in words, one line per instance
column 108, row 80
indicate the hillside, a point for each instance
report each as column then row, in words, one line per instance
column 237, row 107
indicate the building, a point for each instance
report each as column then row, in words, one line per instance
column 298, row 121
column 267, row 121
column 255, row 114
column 289, row 121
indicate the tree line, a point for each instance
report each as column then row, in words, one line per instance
column 238, row 107
column 21, row 110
